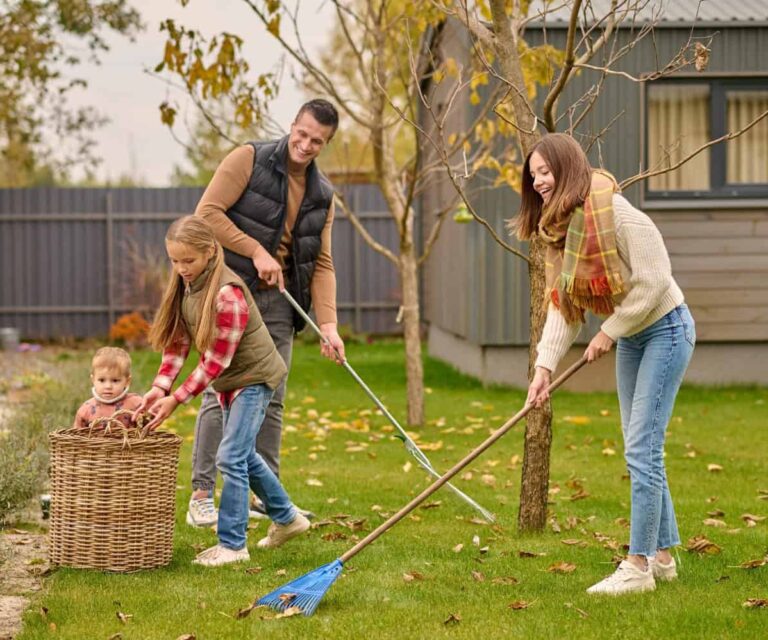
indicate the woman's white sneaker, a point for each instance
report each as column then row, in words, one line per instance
column 663, row 571
column 626, row 579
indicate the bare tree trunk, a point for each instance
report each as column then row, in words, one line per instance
column 534, row 485
column 411, row 318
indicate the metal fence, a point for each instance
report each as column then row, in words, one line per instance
column 74, row 260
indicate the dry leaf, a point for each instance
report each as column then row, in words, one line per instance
column 714, row 522
column 751, row 519
column 124, row 617
column 253, row 570
column 529, row 554
column 453, row 618
column 488, row 479
column 578, row 420
column 287, row 597
column 609, row 452
column 314, row 482
column 505, row 580
column 476, row 540
column 477, row 575
column 701, row 57
column 116, row 636
column 562, row 567
column 484, row 549
column 244, row 612
column 412, row 575
column 714, row 468
column 290, row 611
column 432, row 505
column 574, row 542
column 579, row 495
column 517, row 605
column 458, row 548
column 605, row 413
column 281, row 572
column 700, row 544
column 754, row 564
column 717, row 513
column 756, row 603
column 407, row 466
column 187, row 636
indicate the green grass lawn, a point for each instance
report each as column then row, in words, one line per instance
column 341, row 461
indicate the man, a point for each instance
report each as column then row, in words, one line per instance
column 272, row 210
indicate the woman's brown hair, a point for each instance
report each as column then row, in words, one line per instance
column 570, row 167
column 168, row 326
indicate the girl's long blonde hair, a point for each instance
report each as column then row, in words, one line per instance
column 169, row 327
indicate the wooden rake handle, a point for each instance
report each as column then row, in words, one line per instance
column 499, row 433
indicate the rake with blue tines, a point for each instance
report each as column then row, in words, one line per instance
column 306, row 592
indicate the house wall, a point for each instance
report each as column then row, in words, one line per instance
column 477, row 299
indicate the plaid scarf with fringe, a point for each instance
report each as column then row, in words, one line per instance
column 583, row 271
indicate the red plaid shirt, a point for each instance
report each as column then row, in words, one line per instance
column 231, row 318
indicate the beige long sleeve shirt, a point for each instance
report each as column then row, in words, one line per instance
column 226, row 187
column 650, row 290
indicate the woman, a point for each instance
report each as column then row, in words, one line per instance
column 605, row 256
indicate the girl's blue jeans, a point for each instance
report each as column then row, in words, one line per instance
column 241, row 467
column 649, row 370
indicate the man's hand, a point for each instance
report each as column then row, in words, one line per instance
column 334, row 351
column 537, row 391
column 160, row 410
column 598, row 346
column 268, row 268
column 152, row 396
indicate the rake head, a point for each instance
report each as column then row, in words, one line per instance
column 304, row 592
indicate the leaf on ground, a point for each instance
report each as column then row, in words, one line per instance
column 605, row 413
column 579, row 495
column 488, row 479
column 453, row 618
column 124, row 617
column 755, row 603
column 754, row 564
column 476, row 540
column 714, row 468
column 308, row 400
column 505, row 580
column 716, row 513
column 431, row 446
column 751, row 520
column 562, row 567
column 407, row 466
column 622, row 522
column 281, row 572
column 253, row 570
column 290, row 611
column 187, row 636
column 476, row 520
column 711, row 499
column 714, row 522
column 577, row 420
column 519, row 605
column 333, row 536
column 116, row 636
column 314, row 482
column 574, row 542
column 700, row 544
column 529, row 554
column 412, row 575
column 244, row 612
column 458, row 548
column 287, row 597
column 478, row 576
column 432, row 505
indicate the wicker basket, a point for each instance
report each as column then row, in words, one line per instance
column 113, row 497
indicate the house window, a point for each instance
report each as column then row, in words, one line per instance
column 683, row 115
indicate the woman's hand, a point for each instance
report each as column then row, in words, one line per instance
column 537, row 391
column 160, row 410
column 598, row 347
column 150, row 397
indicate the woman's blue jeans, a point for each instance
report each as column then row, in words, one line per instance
column 650, row 366
column 241, row 467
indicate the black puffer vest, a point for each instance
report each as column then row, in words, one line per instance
column 260, row 213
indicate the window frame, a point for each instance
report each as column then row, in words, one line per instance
column 719, row 86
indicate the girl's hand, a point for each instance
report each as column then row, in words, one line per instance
column 160, row 410
column 537, row 391
column 598, row 347
column 152, row 396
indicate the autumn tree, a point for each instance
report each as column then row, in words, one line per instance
column 380, row 64
column 41, row 41
column 593, row 44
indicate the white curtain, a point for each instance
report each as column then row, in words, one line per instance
column 747, row 155
column 678, row 123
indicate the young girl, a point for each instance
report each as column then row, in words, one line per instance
column 111, row 377
column 605, row 256
column 207, row 304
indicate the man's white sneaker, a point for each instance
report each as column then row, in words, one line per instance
column 218, row 555
column 626, row 579
column 202, row 513
column 663, row 571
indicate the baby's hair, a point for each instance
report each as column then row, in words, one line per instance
column 112, row 358
column 168, row 326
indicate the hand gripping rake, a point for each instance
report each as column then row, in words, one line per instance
column 306, row 591
column 410, row 445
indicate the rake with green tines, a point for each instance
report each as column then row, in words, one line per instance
column 306, row 592
column 410, row 445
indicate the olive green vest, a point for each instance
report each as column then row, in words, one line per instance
column 256, row 360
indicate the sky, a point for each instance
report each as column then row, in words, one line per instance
column 134, row 141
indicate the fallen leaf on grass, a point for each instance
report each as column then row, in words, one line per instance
column 244, row 612
column 755, row 603
column 412, row 575
column 751, row 520
column 458, row 548
column 453, row 618
column 714, row 468
column 114, row 636
column 529, row 554
column 407, row 467
column 314, row 482
column 754, row 564
column 562, row 567
column 579, row 495
column 518, row 605
column 290, row 611
column 717, row 513
column 478, row 576
column 281, row 572
column 700, row 544
column 124, row 617
column 608, row 451
column 187, row 636
column 432, row 505
column 578, row 420
column 333, row 536
column 476, row 540
column 714, row 522
column 574, row 542
column 253, row 570
column 505, row 580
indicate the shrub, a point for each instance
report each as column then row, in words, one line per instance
column 131, row 329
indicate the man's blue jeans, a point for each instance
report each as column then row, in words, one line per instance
column 241, row 467
column 650, row 366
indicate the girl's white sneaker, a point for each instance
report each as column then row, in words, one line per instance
column 663, row 571
column 218, row 555
column 626, row 579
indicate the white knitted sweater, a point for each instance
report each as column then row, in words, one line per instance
column 650, row 290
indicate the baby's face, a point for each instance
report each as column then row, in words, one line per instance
column 108, row 383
